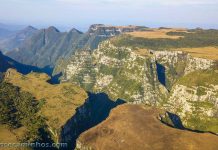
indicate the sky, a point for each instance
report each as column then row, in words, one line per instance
column 80, row 14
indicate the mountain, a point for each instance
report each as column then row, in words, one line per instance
column 44, row 47
column 14, row 40
column 136, row 127
column 183, row 83
column 5, row 33
column 167, row 76
column 47, row 46
column 7, row 62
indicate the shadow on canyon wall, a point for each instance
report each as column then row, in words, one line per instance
column 25, row 69
column 96, row 109
column 161, row 74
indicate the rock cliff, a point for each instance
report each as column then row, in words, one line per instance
column 152, row 78
column 118, row 71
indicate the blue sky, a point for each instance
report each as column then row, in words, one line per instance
column 82, row 13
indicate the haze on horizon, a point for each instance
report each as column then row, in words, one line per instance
column 81, row 13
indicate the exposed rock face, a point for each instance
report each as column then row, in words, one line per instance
column 177, row 64
column 103, row 30
column 118, row 71
column 192, row 94
column 136, row 127
column 149, row 79
column 112, row 69
column 196, row 100
column 198, row 64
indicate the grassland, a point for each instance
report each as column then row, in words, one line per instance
column 142, row 52
column 157, row 33
column 202, row 52
column 9, row 135
column 59, row 101
column 135, row 127
column 197, row 38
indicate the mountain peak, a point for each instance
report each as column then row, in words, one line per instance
column 94, row 26
column 30, row 28
column 27, row 30
column 75, row 30
column 52, row 28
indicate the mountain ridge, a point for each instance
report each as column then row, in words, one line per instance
column 16, row 39
column 46, row 46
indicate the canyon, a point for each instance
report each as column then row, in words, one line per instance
column 116, row 90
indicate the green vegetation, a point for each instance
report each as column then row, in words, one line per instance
column 201, row 91
column 206, row 124
column 127, row 88
column 116, row 53
column 198, row 105
column 20, row 109
column 191, row 39
column 199, row 78
column 108, row 70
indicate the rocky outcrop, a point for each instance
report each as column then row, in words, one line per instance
column 112, row 69
column 194, row 64
column 109, row 31
column 195, row 99
column 186, row 97
column 177, row 64
column 118, row 71
column 193, row 88
column 152, row 79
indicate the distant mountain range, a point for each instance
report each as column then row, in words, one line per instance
column 43, row 48
column 8, row 30
column 14, row 39
column 4, row 33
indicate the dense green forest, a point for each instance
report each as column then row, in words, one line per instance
column 192, row 38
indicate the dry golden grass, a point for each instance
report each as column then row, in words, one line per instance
column 11, row 136
column 130, row 127
column 157, row 33
column 61, row 100
column 202, row 52
column 6, row 135
column 142, row 52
